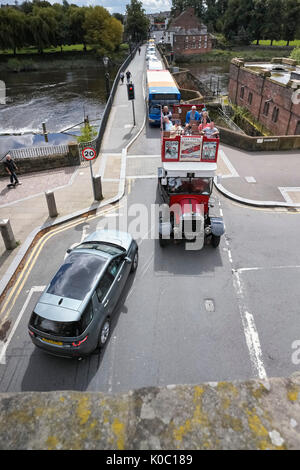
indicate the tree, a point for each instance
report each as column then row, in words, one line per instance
column 274, row 19
column 12, row 29
column 137, row 24
column 291, row 20
column 181, row 5
column 237, row 21
column 259, row 15
column 102, row 31
column 62, row 30
column 43, row 26
column 76, row 22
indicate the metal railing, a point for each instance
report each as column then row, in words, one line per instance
column 232, row 125
column 44, row 151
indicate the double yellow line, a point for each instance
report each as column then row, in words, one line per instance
column 19, row 284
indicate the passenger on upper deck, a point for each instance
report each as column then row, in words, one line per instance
column 211, row 132
column 192, row 115
column 166, row 112
column 167, row 125
column 176, row 129
column 204, row 121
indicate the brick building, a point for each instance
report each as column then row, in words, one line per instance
column 271, row 92
column 188, row 35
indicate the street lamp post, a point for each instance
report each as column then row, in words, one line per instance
column 105, row 62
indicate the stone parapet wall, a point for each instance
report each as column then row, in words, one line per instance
column 217, row 415
column 41, row 163
column 258, row 144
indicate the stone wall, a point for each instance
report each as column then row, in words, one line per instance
column 218, row 415
column 29, row 165
column 256, row 91
column 258, row 144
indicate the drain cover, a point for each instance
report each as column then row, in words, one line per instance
column 209, row 305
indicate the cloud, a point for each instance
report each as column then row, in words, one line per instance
column 113, row 6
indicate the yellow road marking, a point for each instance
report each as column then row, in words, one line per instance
column 33, row 256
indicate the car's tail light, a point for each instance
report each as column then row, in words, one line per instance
column 31, row 333
column 80, row 342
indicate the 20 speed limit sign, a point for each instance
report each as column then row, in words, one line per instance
column 88, row 153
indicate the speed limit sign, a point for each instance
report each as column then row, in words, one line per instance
column 88, row 153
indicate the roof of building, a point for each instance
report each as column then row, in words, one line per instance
column 187, row 23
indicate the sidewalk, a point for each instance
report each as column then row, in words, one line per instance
column 269, row 179
column 26, row 205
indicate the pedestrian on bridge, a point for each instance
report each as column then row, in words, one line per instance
column 11, row 169
column 128, row 76
column 122, row 77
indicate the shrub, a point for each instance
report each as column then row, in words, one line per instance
column 295, row 54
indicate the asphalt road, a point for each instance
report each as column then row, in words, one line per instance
column 186, row 317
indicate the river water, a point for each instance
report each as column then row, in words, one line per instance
column 59, row 98
column 215, row 75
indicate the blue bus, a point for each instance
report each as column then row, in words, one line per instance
column 162, row 90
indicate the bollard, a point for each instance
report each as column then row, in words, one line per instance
column 45, row 131
column 7, row 234
column 97, row 186
column 51, row 204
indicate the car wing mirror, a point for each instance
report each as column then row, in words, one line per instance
column 127, row 259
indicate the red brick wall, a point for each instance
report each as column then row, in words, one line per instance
column 264, row 89
column 192, row 46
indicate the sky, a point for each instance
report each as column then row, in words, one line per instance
column 114, row 6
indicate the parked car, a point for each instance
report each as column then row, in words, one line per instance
column 73, row 315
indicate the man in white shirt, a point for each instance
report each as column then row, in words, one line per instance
column 211, row 132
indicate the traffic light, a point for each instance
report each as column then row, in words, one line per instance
column 130, row 91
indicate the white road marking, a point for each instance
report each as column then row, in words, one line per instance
column 285, row 190
column 250, row 330
column 249, row 327
column 4, row 345
column 233, row 172
column 250, row 179
column 265, row 268
column 83, row 236
column 141, row 177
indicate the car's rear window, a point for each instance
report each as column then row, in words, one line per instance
column 75, row 277
column 61, row 328
column 105, row 247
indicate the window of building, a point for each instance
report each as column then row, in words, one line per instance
column 242, row 92
column 266, row 108
column 250, row 97
column 275, row 114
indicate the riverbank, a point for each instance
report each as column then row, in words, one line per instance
column 220, row 55
column 57, row 60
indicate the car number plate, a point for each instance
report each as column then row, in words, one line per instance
column 57, row 343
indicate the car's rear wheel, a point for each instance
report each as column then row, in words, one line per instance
column 135, row 262
column 104, row 332
column 215, row 240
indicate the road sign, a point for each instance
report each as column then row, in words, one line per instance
column 88, row 153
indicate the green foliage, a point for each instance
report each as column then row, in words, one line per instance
column 242, row 21
column 42, row 25
column 295, row 54
column 137, row 23
column 88, row 133
column 103, row 32
column 16, row 65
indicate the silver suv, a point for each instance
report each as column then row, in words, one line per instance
column 73, row 315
